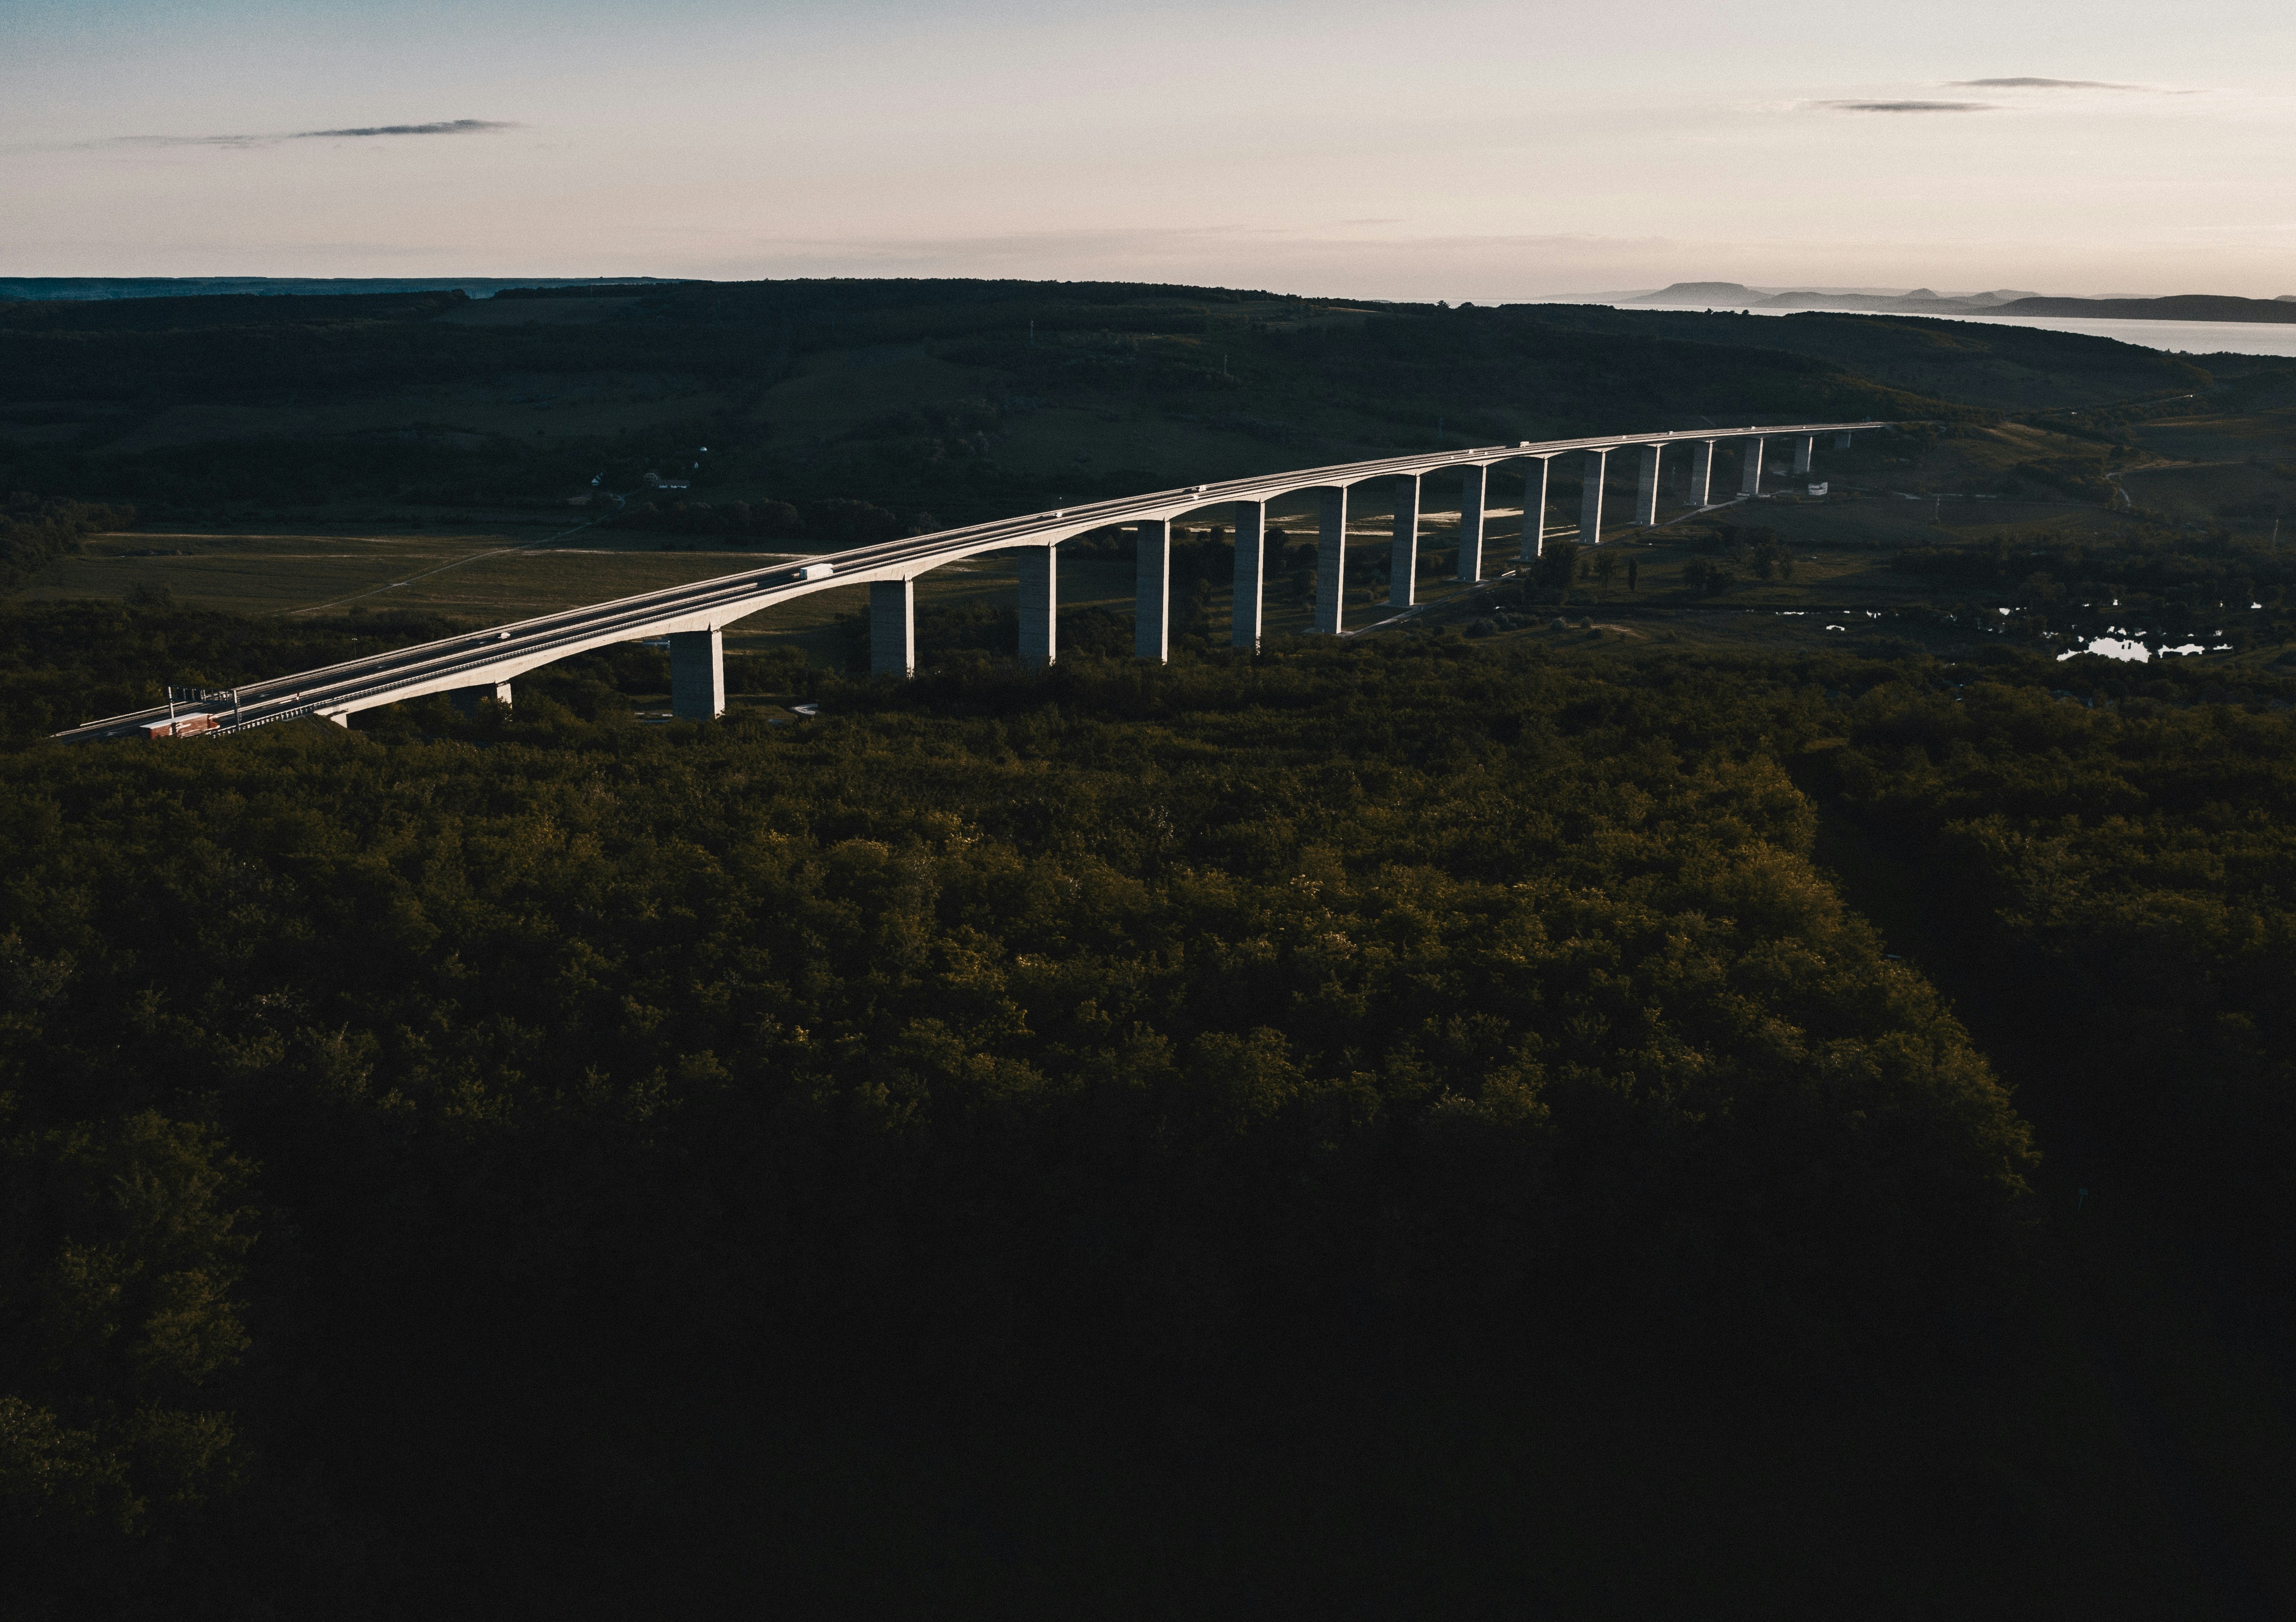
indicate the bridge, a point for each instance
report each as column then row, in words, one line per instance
column 482, row 664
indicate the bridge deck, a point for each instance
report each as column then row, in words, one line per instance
column 501, row 653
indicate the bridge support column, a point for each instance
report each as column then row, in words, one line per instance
column 1040, row 607
column 1534, row 511
column 1403, row 556
column 1474, row 481
column 468, row 699
column 1151, row 590
column 1841, row 442
column 893, row 627
column 697, row 675
column 1804, row 447
column 1646, row 487
column 1590, row 500
column 1250, row 574
column 1750, row 483
column 1701, row 472
column 1331, row 562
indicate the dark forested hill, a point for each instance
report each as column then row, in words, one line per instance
column 964, row 399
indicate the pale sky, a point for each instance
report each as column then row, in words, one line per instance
column 1458, row 151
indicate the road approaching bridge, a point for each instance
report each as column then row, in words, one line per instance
column 694, row 618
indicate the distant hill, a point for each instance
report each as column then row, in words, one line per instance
column 2012, row 303
column 1920, row 300
column 1702, row 293
column 2182, row 306
column 80, row 288
column 959, row 399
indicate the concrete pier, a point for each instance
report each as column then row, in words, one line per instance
column 1646, row 487
column 1250, row 574
column 1151, row 590
column 468, row 699
column 1841, row 442
column 893, row 627
column 1040, row 607
column 1750, row 483
column 1403, row 556
column 697, row 675
column 1331, row 561
column 1804, row 447
column 1534, row 511
column 1474, row 481
column 1701, row 472
column 1590, row 500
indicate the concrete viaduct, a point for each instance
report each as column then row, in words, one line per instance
column 694, row 618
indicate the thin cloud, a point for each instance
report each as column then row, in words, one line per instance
column 2043, row 84
column 444, row 126
column 450, row 126
column 1908, row 106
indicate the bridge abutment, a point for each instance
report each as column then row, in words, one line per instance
column 1250, row 574
column 1151, row 590
column 893, row 627
column 697, row 675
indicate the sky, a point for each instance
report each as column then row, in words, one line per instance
column 1469, row 152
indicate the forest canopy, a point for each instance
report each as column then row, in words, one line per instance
column 1118, row 1020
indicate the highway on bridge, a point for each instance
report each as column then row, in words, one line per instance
column 693, row 617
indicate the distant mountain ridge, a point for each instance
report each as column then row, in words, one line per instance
column 2002, row 302
column 1922, row 300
